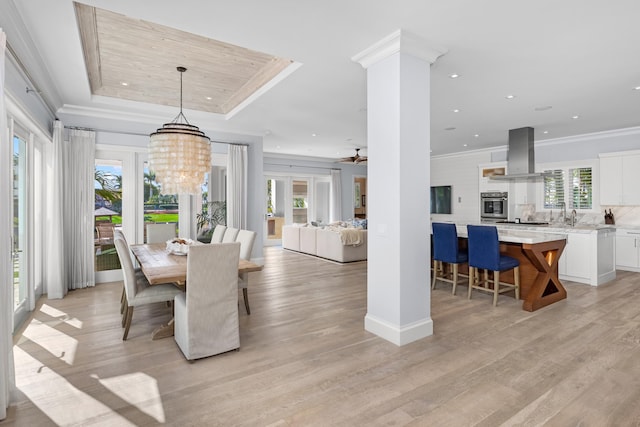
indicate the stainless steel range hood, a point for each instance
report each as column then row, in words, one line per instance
column 521, row 163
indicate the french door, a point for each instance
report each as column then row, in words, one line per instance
column 294, row 199
column 20, row 234
column 27, row 238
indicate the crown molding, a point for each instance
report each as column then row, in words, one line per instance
column 400, row 41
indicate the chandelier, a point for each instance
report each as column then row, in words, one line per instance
column 179, row 154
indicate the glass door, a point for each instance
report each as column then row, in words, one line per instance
column 159, row 208
column 276, row 212
column 300, row 200
column 20, row 228
column 107, row 217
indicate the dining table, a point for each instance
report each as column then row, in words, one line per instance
column 162, row 266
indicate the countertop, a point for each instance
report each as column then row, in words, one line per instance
column 509, row 235
column 559, row 228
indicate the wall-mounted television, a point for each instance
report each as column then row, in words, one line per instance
column 441, row 199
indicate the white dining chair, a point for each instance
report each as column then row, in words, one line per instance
column 160, row 233
column 218, row 233
column 230, row 235
column 206, row 316
column 246, row 239
column 138, row 291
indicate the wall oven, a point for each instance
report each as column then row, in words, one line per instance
column 494, row 206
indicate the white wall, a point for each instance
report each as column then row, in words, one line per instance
column 461, row 172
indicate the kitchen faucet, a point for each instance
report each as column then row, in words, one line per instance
column 563, row 211
column 574, row 214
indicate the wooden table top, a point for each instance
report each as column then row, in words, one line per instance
column 159, row 266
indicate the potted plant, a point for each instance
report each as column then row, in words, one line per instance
column 213, row 213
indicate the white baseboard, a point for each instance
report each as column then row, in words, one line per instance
column 398, row 335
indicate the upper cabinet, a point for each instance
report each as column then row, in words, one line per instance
column 619, row 177
column 486, row 184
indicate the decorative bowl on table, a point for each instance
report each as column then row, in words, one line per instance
column 179, row 246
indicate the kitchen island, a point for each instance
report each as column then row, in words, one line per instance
column 538, row 254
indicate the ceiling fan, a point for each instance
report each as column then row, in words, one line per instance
column 354, row 159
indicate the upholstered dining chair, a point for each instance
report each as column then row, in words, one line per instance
column 445, row 250
column 484, row 253
column 206, row 316
column 246, row 239
column 118, row 234
column 160, row 233
column 137, row 289
column 218, row 232
column 230, row 235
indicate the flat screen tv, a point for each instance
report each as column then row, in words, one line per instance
column 441, row 199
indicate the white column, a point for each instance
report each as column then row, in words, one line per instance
column 398, row 125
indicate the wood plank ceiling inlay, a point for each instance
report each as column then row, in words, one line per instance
column 118, row 49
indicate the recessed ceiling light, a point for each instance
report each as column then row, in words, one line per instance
column 636, row 88
column 465, row 145
column 278, row 147
column 545, row 108
column 313, row 134
column 545, row 132
column 454, row 76
column 124, row 84
column 208, row 98
column 456, row 110
column 477, row 135
column 510, row 96
column 575, row 117
column 450, row 128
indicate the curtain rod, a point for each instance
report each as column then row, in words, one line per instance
column 142, row 134
column 13, row 55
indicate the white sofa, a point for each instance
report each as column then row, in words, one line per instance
column 325, row 243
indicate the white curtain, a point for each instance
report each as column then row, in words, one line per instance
column 72, row 266
column 237, row 186
column 7, row 373
column 335, row 213
column 55, row 263
column 79, row 203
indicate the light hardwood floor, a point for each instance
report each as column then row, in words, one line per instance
column 306, row 360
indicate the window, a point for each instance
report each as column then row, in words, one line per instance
column 581, row 188
column 571, row 187
column 158, row 207
column 553, row 188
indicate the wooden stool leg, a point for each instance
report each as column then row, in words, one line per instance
column 471, row 280
column 496, row 287
column 435, row 274
column 455, row 278
column 516, row 279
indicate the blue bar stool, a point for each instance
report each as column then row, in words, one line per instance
column 484, row 253
column 445, row 249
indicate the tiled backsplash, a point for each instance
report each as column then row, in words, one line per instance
column 623, row 215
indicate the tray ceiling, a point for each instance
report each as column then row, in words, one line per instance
column 136, row 60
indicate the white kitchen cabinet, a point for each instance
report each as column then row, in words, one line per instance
column 628, row 250
column 619, row 177
column 577, row 256
column 589, row 257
